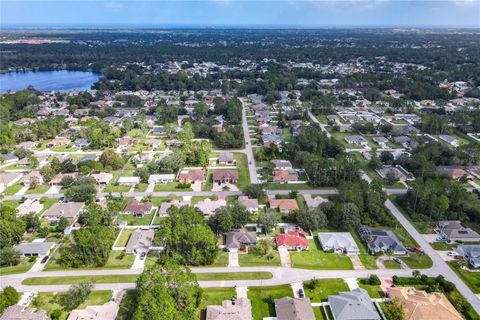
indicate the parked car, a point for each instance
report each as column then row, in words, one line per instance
column 452, row 253
column 44, row 259
column 142, row 255
column 301, row 294
column 397, row 260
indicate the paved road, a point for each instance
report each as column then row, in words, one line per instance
column 280, row 275
column 322, row 126
column 440, row 265
column 252, row 168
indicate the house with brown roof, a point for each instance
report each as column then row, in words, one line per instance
column 58, row 142
column 102, row 178
column 165, row 206
column 208, row 207
column 138, row 209
column 284, row 176
column 250, row 204
column 226, row 158
column 238, row 238
column 225, row 176
column 31, row 176
column 107, row 311
column 238, row 309
column 17, row 312
column 454, row 172
column 288, row 308
column 192, row 175
column 57, row 180
column 69, row 210
column 284, row 205
column 420, row 305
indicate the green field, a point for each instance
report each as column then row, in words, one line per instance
column 471, row 279
column 374, row 291
column 113, row 187
column 124, row 236
column 136, row 221
column 242, row 167
column 22, row 267
column 253, row 259
column 10, row 191
column 49, row 301
column 324, row 288
column 315, row 258
column 170, row 186
column 41, row 189
column 263, row 298
column 390, row 264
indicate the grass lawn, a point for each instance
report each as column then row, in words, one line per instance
column 324, row 288
column 170, row 186
column 112, row 187
column 141, row 187
column 48, row 301
column 315, row 258
column 114, row 262
column 39, row 189
column 289, row 186
column 12, row 203
column 374, row 291
column 443, row 246
column 263, row 298
column 390, row 264
column 208, row 185
column 233, row 276
column 124, row 236
column 197, row 199
column 119, row 278
column 368, row 261
column 14, row 166
column 212, row 296
column 157, row 201
column 418, row 261
column 242, row 167
column 47, row 203
column 63, row 149
column 22, row 267
column 471, row 279
column 220, row 261
column 10, row 191
column 253, row 259
column 136, row 221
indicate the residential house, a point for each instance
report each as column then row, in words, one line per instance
column 380, row 241
column 225, row 176
column 381, row 141
column 17, row 312
column 69, row 210
column 207, row 207
column 158, row 130
column 154, row 143
column 292, row 240
column 284, row 205
column 238, row 309
column 33, row 176
column 28, row 145
column 81, row 143
column 250, row 204
column 102, row 178
column 235, row 239
column 282, row 164
column 284, row 176
column 58, row 142
column 165, row 206
column 420, row 305
column 288, row 308
column 387, row 170
column 338, row 242
column 314, row 202
column 57, row 180
column 29, row 206
column 471, row 253
column 87, row 158
column 138, row 209
column 192, row 175
column 9, row 158
column 226, row 158
column 107, row 311
column 450, row 140
column 353, row 305
column 9, row 179
column 357, row 140
column 140, row 241
column 34, row 249
column 456, row 231
column 161, row 178
column 129, row 181
column 454, row 172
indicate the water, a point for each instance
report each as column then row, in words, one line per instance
column 48, row 80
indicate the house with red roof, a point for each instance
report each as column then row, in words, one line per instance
column 138, row 209
column 292, row 240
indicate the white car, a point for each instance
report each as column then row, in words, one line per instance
column 452, row 253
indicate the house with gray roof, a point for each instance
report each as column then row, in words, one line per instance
column 358, row 140
column 353, row 305
column 238, row 309
column 69, row 210
column 33, row 249
column 288, row 308
column 237, row 238
column 140, row 241
column 380, row 241
column 17, row 312
column 456, row 231
column 338, row 241
column 471, row 253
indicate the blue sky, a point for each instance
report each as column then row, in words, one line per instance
column 300, row 13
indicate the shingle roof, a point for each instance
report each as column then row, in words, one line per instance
column 236, row 238
column 353, row 305
column 294, row 309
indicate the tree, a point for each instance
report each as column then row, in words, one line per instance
column 221, row 221
column 9, row 257
column 200, row 110
column 110, row 158
column 47, row 172
column 394, row 310
column 268, row 220
column 386, row 157
column 11, row 232
column 187, row 237
column 33, row 161
column 81, row 190
column 255, row 191
column 240, row 215
column 167, row 292
column 350, row 216
column 32, row 222
column 34, row 182
column 391, row 176
column 310, row 218
column 8, row 297
column 75, row 296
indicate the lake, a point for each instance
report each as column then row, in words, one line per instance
column 62, row 80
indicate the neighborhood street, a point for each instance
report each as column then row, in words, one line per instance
column 252, row 168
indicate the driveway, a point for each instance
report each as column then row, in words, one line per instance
column 285, row 258
column 296, row 286
column 241, row 292
column 196, row 186
column 357, row 264
column 219, row 187
column 53, row 190
column 233, row 258
column 352, row 283
column 138, row 264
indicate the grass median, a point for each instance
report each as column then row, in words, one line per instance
column 130, row 278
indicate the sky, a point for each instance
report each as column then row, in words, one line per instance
column 267, row 13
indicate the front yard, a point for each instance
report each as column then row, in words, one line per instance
column 263, row 299
column 136, row 221
column 253, row 259
column 471, row 278
column 315, row 258
column 116, row 260
column 24, row 265
column 318, row 290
